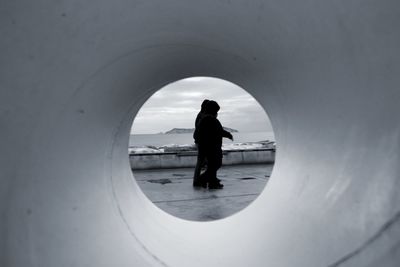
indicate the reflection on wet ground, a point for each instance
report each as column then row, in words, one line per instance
column 171, row 190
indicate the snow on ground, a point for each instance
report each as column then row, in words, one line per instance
column 191, row 147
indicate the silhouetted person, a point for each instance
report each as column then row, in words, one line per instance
column 210, row 134
column 200, row 157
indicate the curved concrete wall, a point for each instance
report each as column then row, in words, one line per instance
column 74, row 73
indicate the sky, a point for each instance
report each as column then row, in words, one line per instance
column 177, row 104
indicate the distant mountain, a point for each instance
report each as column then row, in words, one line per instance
column 180, row 131
column 191, row 130
column 230, row 130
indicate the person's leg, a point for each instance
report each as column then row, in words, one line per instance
column 197, row 170
column 214, row 163
column 202, row 180
column 199, row 164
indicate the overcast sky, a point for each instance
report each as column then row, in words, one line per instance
column 177, row 104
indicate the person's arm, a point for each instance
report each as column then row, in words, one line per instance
column 198, row 119
column 225, row 133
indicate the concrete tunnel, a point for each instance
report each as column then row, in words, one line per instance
column 75, row 73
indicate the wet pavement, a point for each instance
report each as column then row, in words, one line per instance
column 171, row 190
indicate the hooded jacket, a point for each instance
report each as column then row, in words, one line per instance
column 210, row 130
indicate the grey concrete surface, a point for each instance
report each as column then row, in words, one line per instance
column 75, row 73
column 171, row 190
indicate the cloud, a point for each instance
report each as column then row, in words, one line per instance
column 191, row 94
column 177, row 104
column 194, row 79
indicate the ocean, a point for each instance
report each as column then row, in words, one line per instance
column 187, row 139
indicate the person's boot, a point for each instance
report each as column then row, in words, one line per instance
column 201, row 181
column 215, row 184
column 196, row 183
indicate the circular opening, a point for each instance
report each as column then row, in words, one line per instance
column 177, row 173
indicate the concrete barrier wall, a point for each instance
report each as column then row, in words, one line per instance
column 188, row 159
